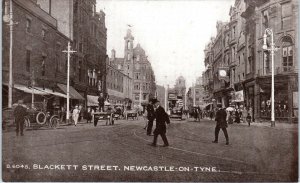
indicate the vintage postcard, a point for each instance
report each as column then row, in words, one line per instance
column 150, row 91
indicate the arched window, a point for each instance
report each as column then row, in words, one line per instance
column 287, row 54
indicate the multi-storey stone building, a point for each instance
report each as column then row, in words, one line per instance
column 39, row 64
column 136, row 65
column 282, row 17
column 90, row 37
column 118, row 86
column 250, row 66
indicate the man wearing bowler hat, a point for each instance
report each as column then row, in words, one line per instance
column 221, row 124
column 161, row 119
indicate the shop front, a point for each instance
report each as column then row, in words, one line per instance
column 285, row 99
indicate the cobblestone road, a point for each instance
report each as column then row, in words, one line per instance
column 255, row 153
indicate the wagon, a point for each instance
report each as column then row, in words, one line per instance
column 132, row 114
column 103, row 116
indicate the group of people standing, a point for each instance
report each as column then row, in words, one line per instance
column 158, row 113
column 240, row 115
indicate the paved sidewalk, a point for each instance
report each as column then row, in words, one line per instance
column 266, row 124
column 278, row 125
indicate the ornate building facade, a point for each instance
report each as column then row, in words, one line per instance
column 249, row 65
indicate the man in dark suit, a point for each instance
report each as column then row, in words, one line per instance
column 101, row 101
column 221, row 124
column 161, row 119
column 20, row 112
column 150, row 117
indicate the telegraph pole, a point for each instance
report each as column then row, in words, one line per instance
column 68, row 51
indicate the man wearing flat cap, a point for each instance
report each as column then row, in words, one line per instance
column 221, row 124
column 161, row 119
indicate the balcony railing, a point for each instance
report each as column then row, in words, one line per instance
column 278, row 70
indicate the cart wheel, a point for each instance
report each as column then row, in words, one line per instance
column 41, row 118
column 54, row 121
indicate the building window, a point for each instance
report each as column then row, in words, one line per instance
column 145, row 97
column 79, row 71
column 138, row 58
column 44, row 32
column 265, row 20
column 43, row 66
column 287, row 54
column 128, row 56
column 136, row 86
column 119, row 66
column 28, row 25
column 266, row 62
column 137, row 97
column 286, row 15
column 233, row 32
column 28, row 53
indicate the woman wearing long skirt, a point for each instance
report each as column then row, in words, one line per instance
column 75, row 114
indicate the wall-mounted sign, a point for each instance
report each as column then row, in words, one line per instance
column 239, row 96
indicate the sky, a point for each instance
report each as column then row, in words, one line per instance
column 173, row 33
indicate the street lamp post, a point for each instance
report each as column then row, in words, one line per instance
column 271, row 49
column 68, row 51
column 9, row 19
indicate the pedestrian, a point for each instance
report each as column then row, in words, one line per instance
column 248, row 118
column 161, row 119
column 196, row 114
column 251, row 114
column 62, row 114
column 150, row 116
column 81, row 112
column 89, row 115
column 101, row 101
column 211, row 113
column 221, row 124
column 20, row 112
column 237, row 116
column 245, row 114
column 75, row 115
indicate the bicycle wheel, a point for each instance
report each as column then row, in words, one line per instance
column 41, row 118
column 27, row 122
column 54, row 121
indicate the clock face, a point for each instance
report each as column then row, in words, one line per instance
column 222, row 73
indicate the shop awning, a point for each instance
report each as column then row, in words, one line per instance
column 48, row 91
column 73, row 93
column 29, row 90
column 92, row 100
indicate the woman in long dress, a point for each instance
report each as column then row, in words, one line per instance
column 75, row 114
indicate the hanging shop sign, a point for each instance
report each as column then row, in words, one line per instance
column 239, row 96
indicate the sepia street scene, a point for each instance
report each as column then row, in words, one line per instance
column 150, row 91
